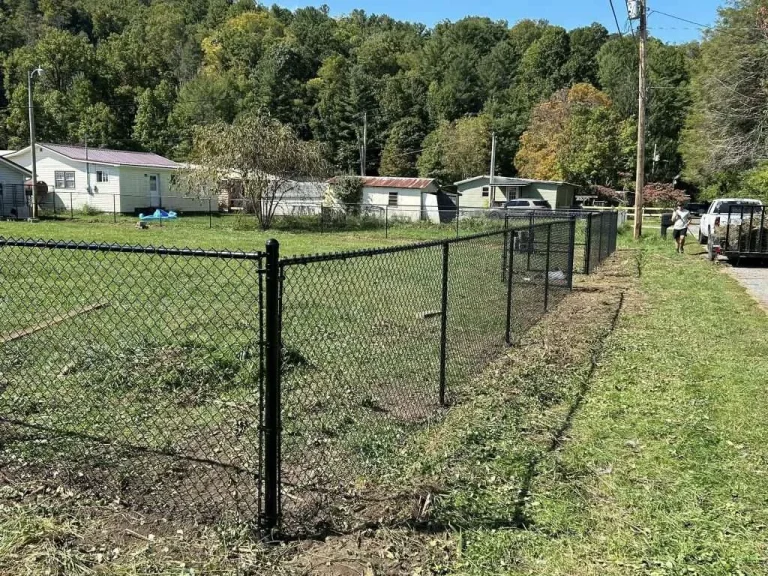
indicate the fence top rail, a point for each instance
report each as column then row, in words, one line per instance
column 365, row 252
column 131, row 249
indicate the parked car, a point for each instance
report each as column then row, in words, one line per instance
column 717, row 215
column 522, row 205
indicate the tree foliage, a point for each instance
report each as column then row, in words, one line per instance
column 267, row 156
column 146, row 74
column 725, row 140
column 574, row 136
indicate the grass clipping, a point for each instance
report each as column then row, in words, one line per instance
column 749, row 236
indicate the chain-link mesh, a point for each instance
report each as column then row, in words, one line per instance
column 136, row 374
column 132, row 375
column 601, row 235
column 361, row 366
column 374, row 342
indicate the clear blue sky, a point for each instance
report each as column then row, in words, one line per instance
column 566, row 13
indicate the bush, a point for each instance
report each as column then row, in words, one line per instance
column 660, row 195
column 348, row 190
column 88, row 210
column 245, row 223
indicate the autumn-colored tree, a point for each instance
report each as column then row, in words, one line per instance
column 574, row 136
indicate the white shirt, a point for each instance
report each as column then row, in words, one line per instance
column 681, row 218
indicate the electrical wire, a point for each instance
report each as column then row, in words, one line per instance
column 704, row 26
column 616, row 18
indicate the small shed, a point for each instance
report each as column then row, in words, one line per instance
column 407, row 198
column 13, row 201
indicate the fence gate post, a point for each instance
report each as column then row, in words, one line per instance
column 571, row 250
column 273, row 356
column 114, row 209
column 588, row 244
column 386, row 221
column 530, row 240
column 546, row 268
column 444, row 324
column 210, row 214
column 510, row 241
column 458, row 216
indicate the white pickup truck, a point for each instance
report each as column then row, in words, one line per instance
column 717, row 215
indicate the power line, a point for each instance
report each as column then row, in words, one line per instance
column 651, row 11
column 616, row 18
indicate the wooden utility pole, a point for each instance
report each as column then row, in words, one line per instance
column 640, row 170
column 492, row 194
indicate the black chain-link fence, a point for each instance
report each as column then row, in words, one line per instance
column 221, row 385
column 132, row 374
column 377, row 342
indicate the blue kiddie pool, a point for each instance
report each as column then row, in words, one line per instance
column 158, row 215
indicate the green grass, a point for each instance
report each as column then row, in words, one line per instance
column 661, row 470
column 169, row 364
column 232, row 232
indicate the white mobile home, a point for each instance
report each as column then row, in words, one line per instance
column 407, row 198
column 105, row 179
column 479, row 192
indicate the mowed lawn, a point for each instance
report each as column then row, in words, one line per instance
column 298, row 236
column 664, row 468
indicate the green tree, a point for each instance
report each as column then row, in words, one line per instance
column 457, row 150
column 151, row 128
column 401, row 149
column 573, row 136
column 725, row 129
column 268, row 157
column 585, row 43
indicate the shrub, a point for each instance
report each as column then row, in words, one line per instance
column 348, row 190
column 245, row 223
column 662, row 195
column 88, row 210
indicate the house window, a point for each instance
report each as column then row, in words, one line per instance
column 65, row 180
column 392, row 199
column 486, row 191
column 102, row 176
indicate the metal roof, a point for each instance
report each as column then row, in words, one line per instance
column 397, row 182
column 15, row 166
column 107, row 156
column 507, row 181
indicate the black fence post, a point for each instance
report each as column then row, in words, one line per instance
column 510, row 242
column 571, row 250
column 458, row 216
column 71, row 207
column 504, row 249
column 210, row 214
column 322, row 219
column 588, row 244
column 114, row 209
column 444, row 324
column 273, row 355
column 530, row 240
column 386, row 221
column 546, row 268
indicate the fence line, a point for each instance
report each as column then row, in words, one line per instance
column 249, row 386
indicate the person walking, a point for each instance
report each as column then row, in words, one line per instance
column 681, row 219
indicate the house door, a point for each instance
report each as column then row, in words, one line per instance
column 154, row 190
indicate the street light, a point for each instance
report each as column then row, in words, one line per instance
column 31, row 75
